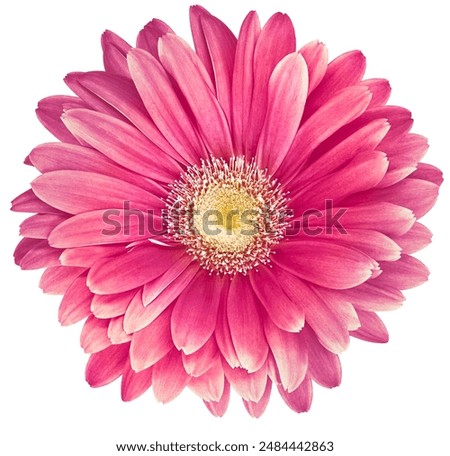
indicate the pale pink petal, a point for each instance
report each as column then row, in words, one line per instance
column 407, row 272
column 135, row 383
column 285, row 313
column 218, row 408
column 76, row 303
column 163, row 104
column 178, row 59
column 49, row 113
column 94, row 335
column 116, row 332
column 276, row 40
column 324, row 366
column 256, row 409
column 132, row 269
column 316, row 58
column 325, row 263
column 210, row 385
column 199, row 362
column 242, row 85
column 245, row 323
column 169, row 377
column 372, row 328
column 151, row 343
column 300, row 399
column 195, row 312
column 418, row 237
column 380, row 90
column 39, row 226
column 113, row 305
column 115, row 51
column 250, row 386
column 287, row 91
column 81, row 191
column 138, row 316
column 57, row 279
column 107, row 365
column 149, row 36
column 122, row 143
column 290, row 354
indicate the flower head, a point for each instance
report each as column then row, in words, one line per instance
column 227, row 216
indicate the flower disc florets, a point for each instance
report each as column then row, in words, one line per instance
column 227, row 214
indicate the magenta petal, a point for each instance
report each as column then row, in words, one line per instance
column 380, row 90
column 290, row 354
column 94, row 335
column 195, row 312
column 316, row 58
column 151, row 343
column 418, row 237
column 76, row 303
column 429, row 173
column 256, row 409
column 325, row 263
column 169, row 377
column 210, row 385
column 218, row 408
column 250, row 386
column 29, row 202
column 245, row 323
column 39, row 226
column 132, row 269
column 372, row 328
column 300, row 399
column 35, row 254
column 115, row 51
column 135, row 383
column 107, row 365
column 149, row 36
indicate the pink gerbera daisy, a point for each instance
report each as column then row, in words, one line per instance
column 225, row 216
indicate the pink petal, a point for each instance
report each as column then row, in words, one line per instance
column 287, row 91
column 116, row 332
column 94, row 335
column 178, row 59
column 57, row 279
column 290, row 354
column 256, row 409
column 149, row 36
column 138, row 316
column 210, row 385
column 80, row 191
column 418, row 237
column 344, row 71
column 107, row 365
column 327, row 264
column 399, row 119
column 324, row 366
column 380, row 90
column 115, row 51
column 49, row 113
column 276, row 40
column 250, row 386
column 429, row 173
column 316, row 58
column 39, row 226
column 242, row 84
column 195, row 312
column 36, row 254
column 245, row 323
column 134, row 384
column 407, row 272
column 110, row 226
column 76, row 303
column 169, row 377
column 284, row 312
column 372, row 328
column 122, row 143
column 29, row 202
column 218, row 408
column 132, row 269
column 347, row 105
column 163, row 104
column 151, row 343
column 300, row 399
column 113, row 305
column 87, row 256
column 199, row 362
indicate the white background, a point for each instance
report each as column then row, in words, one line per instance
column 393, row 399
